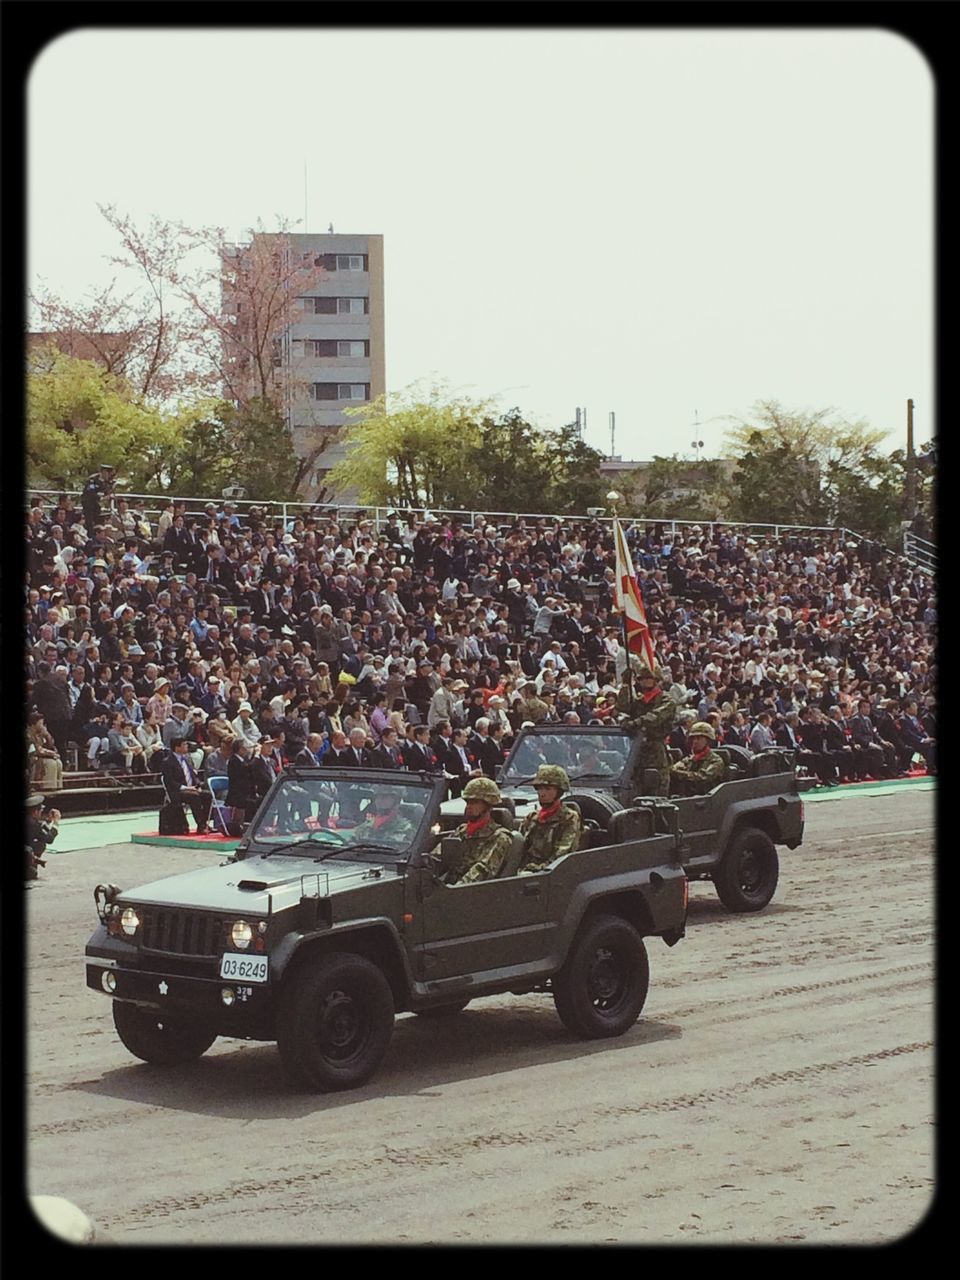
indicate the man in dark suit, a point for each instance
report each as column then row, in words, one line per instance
column 356, row 755
column 836, row 746
column 309, row 756
column 488, row 753
column 182, row 787
column 418, row 754
column 387, row 755
column 455, row 759
column 246, row 777
column 874, row 756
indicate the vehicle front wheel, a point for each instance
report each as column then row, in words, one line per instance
column 154, row 1037
column 334, row 1022
column 602, row 988
column 747, row 876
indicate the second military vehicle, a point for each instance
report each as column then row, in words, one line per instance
column 728, row 836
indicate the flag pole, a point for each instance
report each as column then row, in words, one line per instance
column 613, row 498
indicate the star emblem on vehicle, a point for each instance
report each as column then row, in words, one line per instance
column 163, row 988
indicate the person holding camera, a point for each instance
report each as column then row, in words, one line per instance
column 41, row 831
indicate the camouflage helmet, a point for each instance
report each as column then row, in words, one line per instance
column 640, row 668
column 703, row 729
column 551, row 775
column 482, row 789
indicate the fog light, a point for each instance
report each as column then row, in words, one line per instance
column 108, row 981
column 228, row 995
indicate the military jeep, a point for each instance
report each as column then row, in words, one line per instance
column 728, row 836
column 330, row 919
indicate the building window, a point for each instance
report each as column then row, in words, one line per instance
column 351, row 262
column 352, row 347
column 353, row 306
column 341, row 391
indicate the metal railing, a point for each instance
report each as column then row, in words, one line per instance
column 501, row 521
column 920, row 551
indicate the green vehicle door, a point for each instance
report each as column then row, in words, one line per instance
column 493, row 924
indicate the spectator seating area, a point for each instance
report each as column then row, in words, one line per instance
column 216, row 624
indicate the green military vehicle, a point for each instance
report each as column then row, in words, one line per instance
column 728, row 836
column 330, row 919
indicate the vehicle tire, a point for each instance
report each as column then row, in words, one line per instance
column 746, row 878
column 444, row 1010
column 602, row 987
column 334, row 1022
column 152, row 1036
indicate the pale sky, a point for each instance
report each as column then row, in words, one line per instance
column 667, row 224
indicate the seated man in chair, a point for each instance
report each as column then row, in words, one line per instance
column 484, row 843
column 555, row 828
column 702, row 769
column 182, row 787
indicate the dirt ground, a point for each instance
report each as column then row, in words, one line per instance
column 778, row 1088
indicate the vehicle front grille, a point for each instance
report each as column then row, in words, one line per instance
column 181, row 933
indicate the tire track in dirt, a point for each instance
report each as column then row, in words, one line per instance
column 801, row 989
column 453, row 1153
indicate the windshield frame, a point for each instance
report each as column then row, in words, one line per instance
column 429, row 788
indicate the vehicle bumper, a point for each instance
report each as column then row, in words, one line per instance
column 250, row 1015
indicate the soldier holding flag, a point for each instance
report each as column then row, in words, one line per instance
column 651, row 711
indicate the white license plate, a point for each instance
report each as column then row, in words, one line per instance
column 244, row 968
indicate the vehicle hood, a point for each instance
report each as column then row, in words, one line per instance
column 255, row 885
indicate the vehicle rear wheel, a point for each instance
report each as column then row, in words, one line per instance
column 153, row 1036
column 334, row 1022
column 444, row 1010
column 602, row 987
column 747, row 876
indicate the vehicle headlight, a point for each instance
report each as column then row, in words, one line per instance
column 129, row 921
column 241, row 935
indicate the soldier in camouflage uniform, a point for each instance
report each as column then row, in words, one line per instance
column 484, row 844
column 703, row 769
column 531, row 706
column 384, row 822
column 555, row 829
column 654, row 713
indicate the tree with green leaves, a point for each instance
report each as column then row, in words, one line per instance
column 431, row 447
column 412, row 449
column 79, row 415
column 679, row 489
column 811, row 468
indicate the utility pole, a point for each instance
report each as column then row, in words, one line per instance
column 910, row 488
column 613, row 429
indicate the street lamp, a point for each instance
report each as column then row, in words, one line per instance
column 613, row 498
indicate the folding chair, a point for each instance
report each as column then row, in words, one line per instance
column 218, row 787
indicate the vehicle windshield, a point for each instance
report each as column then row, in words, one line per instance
column 330, row 817
column 583, row 755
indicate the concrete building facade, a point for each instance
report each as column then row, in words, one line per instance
column 331, row 356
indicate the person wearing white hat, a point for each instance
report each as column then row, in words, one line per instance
column 244, row 725
column 161, row 704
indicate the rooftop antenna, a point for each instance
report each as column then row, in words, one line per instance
column 697, row 444
column 305, row 223
column 613, row 428
column 330, row 229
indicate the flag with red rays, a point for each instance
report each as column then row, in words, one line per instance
column 628, row 602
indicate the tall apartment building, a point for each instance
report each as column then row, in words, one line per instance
column 332, row 353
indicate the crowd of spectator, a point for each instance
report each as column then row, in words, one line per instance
column 428, row 642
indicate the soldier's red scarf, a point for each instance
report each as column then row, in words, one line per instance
column 474, row 827
column 549, row 811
